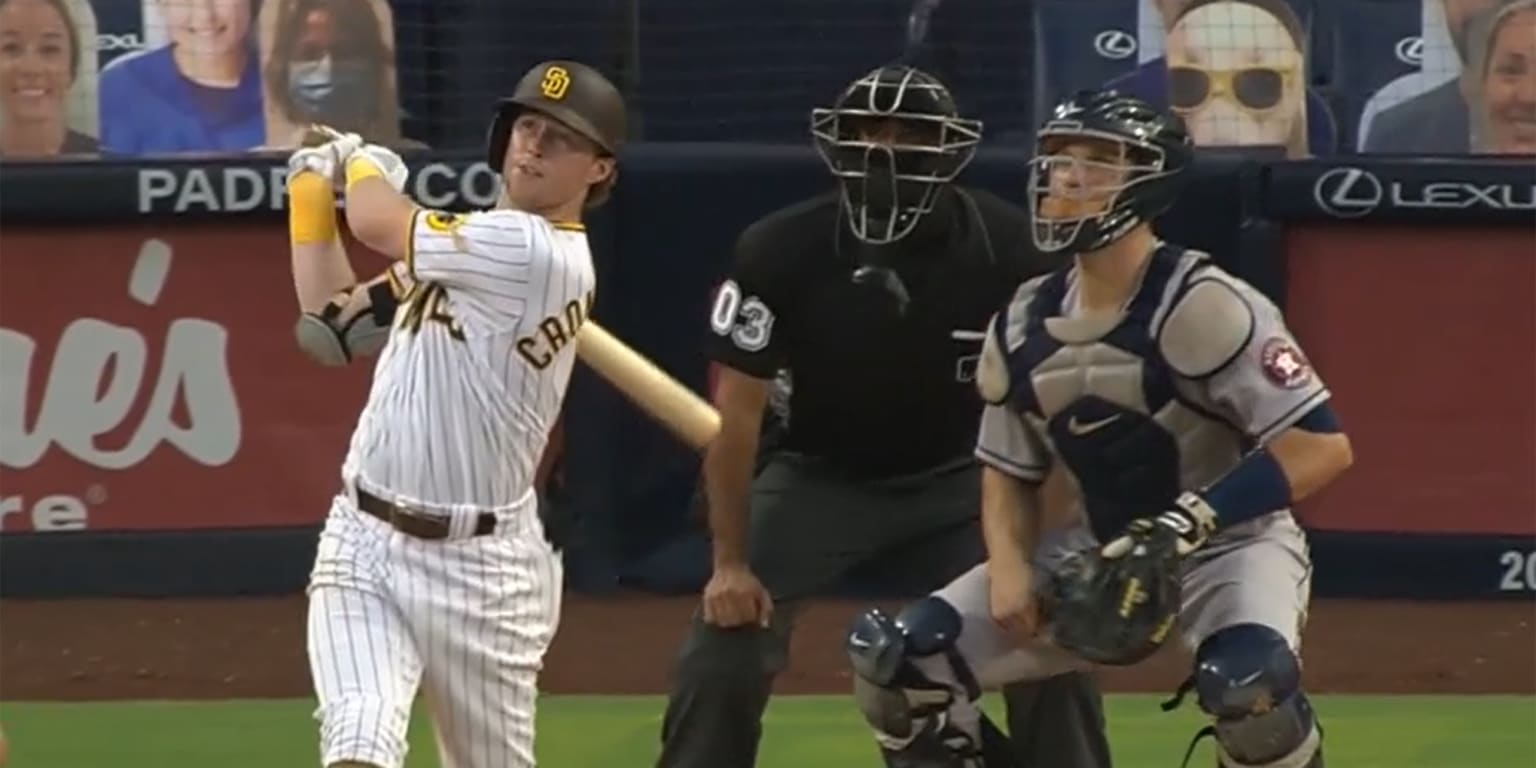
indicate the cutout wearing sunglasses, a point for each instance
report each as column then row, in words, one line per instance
column 1257, row 88
column 1235, row 75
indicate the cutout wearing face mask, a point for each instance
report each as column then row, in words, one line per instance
column 331, row 91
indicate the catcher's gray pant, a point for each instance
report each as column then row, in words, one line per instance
column 811, row 526
column 1255, row 573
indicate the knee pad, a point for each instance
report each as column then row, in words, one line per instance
column 363, row 729
column 1249, row 679
column 881, row 648
column 907, row 707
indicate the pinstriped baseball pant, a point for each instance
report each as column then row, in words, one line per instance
column 465, row 622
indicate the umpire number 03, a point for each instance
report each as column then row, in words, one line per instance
column 1519, row 571
column 747, row 321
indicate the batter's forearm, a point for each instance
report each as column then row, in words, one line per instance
column 728, row 467
column 378, row 216
column 319, row 272
column 319, row 262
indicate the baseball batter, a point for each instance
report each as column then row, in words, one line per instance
column 433, row 571
column 1184, row 420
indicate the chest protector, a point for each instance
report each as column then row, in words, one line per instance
column 1095, row 386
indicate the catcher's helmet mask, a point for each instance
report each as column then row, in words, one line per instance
column 1154, row 151
column 889, row 183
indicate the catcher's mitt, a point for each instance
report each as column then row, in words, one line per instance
column 1116, row 611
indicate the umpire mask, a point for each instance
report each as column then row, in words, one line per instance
column 893, row 140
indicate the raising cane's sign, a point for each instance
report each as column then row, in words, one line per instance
column 152, row 383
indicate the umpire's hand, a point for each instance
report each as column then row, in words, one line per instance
column 735, row 598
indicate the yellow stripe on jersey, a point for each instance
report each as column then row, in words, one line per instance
column 569, row 226
column 395, row 287
column 410, row 244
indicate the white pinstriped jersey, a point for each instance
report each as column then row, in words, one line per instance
column 476, row 368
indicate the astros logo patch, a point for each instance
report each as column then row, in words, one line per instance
column 555, row 83
column 1284, row 365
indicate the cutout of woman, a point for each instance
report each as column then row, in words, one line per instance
column 330, row 62
column 40, row 64
column 201, row 92
column 1500, row 80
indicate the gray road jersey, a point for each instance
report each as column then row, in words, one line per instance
column 1137, row 406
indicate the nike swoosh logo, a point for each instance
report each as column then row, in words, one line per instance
column 1078, row 428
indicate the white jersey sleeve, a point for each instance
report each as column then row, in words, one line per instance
column 488, row 256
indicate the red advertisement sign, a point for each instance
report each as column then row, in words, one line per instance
column 1426, row 337
column 150, row 381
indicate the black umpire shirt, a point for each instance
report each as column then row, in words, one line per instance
column 875, row 390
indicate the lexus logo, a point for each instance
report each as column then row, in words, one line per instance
column 1347, row 193
column 1410, row 51
column 1114, row 44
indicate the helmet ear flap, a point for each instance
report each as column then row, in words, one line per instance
column 500, row 134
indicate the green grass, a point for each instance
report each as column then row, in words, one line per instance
column 800, row 731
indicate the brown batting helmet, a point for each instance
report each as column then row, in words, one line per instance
column 571, row 92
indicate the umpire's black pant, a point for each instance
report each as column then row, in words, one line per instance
column 811, row 526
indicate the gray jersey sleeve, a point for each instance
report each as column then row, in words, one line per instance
column 1011, row 445
column 1233, row 341
column 1007, row 441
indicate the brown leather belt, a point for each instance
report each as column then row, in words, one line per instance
column 413, row 524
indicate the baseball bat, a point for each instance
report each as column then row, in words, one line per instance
column 662, row 397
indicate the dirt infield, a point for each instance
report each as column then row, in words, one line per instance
column 216, row 649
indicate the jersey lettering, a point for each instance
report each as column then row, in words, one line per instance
column 461, row 404
column 746, row 320
column 555, row 331
column 427, row 302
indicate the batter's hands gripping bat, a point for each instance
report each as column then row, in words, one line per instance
column 675, row 406
column 316, row 134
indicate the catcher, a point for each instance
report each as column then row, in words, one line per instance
column 1184, row 421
